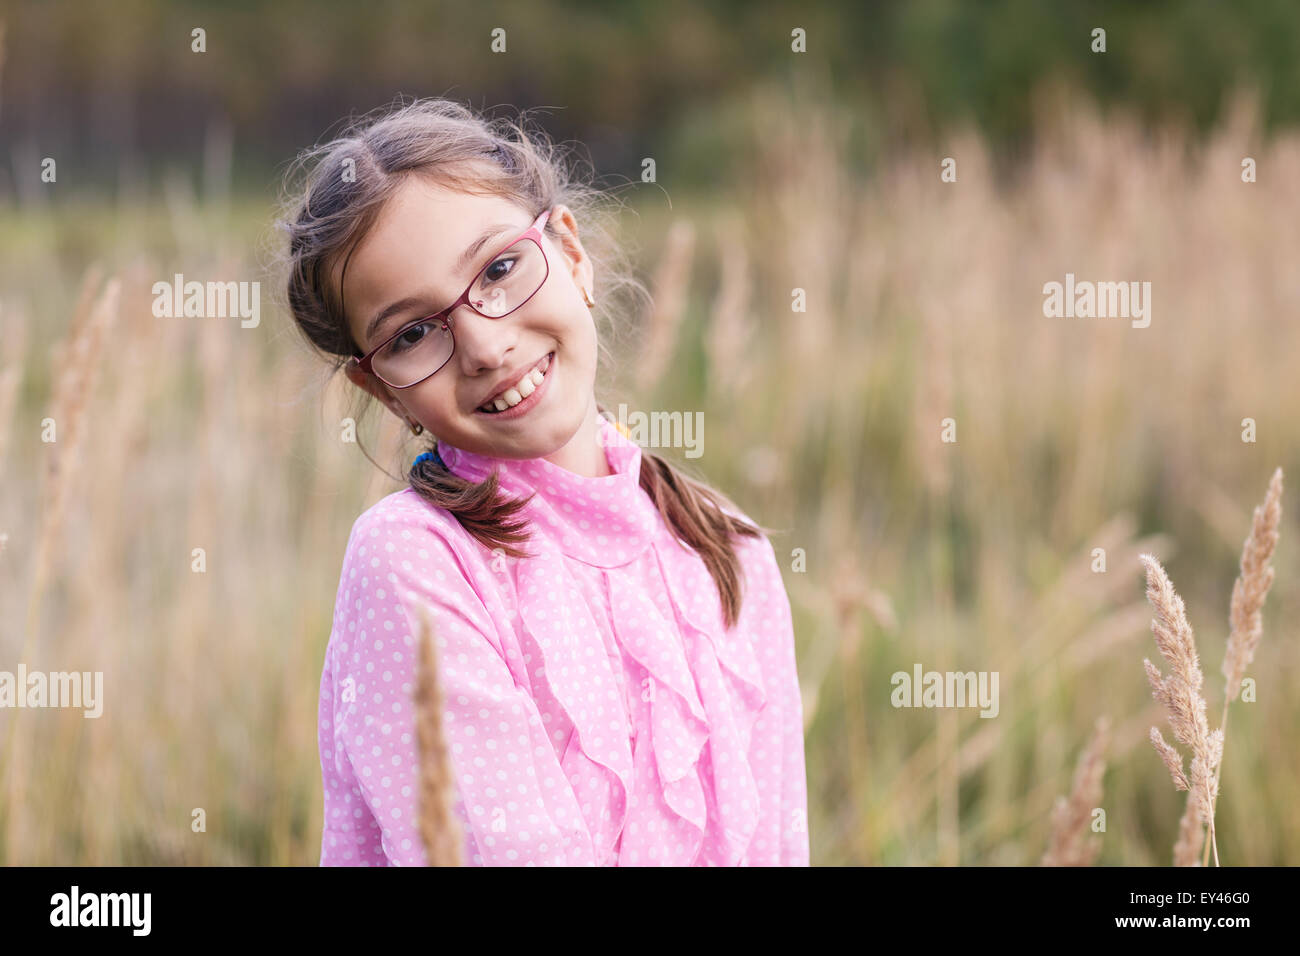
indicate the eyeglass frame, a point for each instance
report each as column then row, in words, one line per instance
column 533, row 232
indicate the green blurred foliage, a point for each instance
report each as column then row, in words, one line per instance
column 115, row 90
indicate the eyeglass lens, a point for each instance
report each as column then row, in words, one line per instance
column 505, row 283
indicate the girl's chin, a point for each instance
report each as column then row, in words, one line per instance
column 536, row 437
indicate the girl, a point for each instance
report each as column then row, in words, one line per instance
column 614, row 640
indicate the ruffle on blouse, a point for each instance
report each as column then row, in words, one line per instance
column 730, row 718
column 706, row 687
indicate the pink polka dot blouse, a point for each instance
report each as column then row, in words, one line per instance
column 596, row 711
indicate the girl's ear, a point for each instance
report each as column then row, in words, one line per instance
column 372, row 385
column 566, row 227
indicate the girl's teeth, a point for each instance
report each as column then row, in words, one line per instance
column 526, row 386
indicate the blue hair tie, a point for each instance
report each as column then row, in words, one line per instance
column 429, row 456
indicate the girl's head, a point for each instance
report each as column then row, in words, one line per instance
column 394, row 222
column 396, row 218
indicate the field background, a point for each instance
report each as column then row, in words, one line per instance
column 776, row 170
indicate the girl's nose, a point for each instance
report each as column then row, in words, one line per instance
column 482, row 342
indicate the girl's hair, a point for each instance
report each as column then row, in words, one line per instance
column 350, row 180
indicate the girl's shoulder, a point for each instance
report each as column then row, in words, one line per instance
column 402, row 548
column 407, row 507
column 409, row 526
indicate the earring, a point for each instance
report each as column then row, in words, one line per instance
column 586, row 297
column 416, row 427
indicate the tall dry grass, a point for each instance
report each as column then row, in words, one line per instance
column 1071, row 817
column 439, row 830
column 1245, row 612
column 1180, row 692
column 670, row 283
column 1180, row 695
column 13, row 326
column 75, row 368
column 924, row 302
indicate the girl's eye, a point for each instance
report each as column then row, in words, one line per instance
column 498, row 270
column 410, row 338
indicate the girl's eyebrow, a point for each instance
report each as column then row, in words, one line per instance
column 468, row 255
column 396, row 308
column 411, row 301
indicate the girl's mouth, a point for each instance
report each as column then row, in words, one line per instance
column 535, row 383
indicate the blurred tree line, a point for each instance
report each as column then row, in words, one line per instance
column 115, row 90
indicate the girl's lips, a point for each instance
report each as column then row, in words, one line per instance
column 518, row 411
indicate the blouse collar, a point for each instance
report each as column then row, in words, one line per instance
column 605, row 522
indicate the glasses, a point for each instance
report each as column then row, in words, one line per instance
column 423, row 347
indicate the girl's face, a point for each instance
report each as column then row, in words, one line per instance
column 412, row 253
